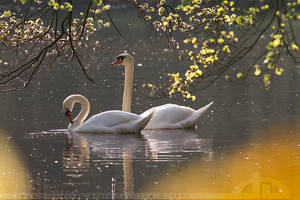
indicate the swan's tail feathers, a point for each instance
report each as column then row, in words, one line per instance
column 144, row 121
column 193, row 119
column 201, row 111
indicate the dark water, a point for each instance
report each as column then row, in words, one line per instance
column 245, row 121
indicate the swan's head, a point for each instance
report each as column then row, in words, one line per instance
column 68, row 106
column 123, row 59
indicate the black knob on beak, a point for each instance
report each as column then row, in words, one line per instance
column 68, row 112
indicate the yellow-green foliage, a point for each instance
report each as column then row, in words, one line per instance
column 214, row 34
column 16, row 30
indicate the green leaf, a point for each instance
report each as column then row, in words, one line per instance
column 278, row 71
column 239, row 75
column 24, row 1
column 98, row 2
column 295, row 47
column 267, row 81
column 257, row 70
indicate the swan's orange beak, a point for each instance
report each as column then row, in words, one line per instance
column 117, row 61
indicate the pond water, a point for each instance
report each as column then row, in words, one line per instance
column 248, row 132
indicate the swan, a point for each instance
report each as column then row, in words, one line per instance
column 113, row 121
column 168, row 116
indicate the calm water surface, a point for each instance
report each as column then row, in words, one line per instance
column 247, row 131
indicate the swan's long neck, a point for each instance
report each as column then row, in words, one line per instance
column 128, row 83
column 85, row 109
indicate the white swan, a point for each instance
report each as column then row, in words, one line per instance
column 168, row 116
column 113, row 121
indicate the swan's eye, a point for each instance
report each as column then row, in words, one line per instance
column 121, row 58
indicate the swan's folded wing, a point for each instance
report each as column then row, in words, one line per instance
column 169, row 116
column 114, row 122
column 173, row 114
column 112, row 118
column 154, row 109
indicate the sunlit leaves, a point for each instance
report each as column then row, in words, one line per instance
column 37, row 1
column 271, row 65
column 267, row 80
column 23, row 1
column 6, row 13
column 68, row 6
column 257, row 71
column 178, row 87
column 269, row 57
column 98, row 2
column 224, row 17
column 220, row 40
column 147, row 17
column 51, row 2
column 56, row 6
column 162, row 2
column 15, row 32
column 161, row 10
column 211, row 35
column 278, row 71
column 277, row 41
column 226, row 49
column 265, row 7
column 294, row 47
column 239, row 75
column 106, row 7
column 107, row 24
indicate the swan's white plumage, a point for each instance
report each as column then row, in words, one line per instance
column 172, row 116
column 168, row 116
column 113, row 121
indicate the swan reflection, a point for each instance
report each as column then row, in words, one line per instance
column 112, row 149
column 165, row 143
column 150, row 144
column 109, row 150
column 76, row 156
column 93, row 156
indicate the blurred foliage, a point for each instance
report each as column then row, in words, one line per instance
column 264, row 168
column 213, row 35
column 15, row 179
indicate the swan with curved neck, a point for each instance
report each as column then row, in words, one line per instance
column 167, row 116
column 113, row 121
